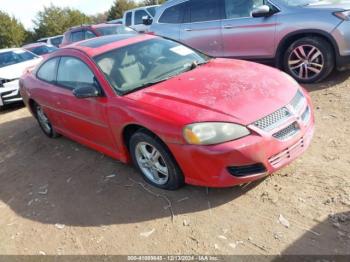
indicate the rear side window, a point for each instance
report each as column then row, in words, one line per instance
column 47, row 72
column 138, row 16
column 205, row 10
column 77, row 36
column 173, row 14
column 128, row 19
column 73, row 73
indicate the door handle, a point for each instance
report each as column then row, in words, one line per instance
column 228, row 26
column 188, row 29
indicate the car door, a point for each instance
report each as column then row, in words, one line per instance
column 47, row 93
column 245, row 36
column 202, row 26
column 84, row 119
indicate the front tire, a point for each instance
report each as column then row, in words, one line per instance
column 155, row 162
column 309, row 59
column 44, row 122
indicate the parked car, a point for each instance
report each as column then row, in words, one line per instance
column 177, row 114
column 80, row 33
column 53, row 40
column 13, row 63
column 40, row 49
column 306, row 38
column 134, row 18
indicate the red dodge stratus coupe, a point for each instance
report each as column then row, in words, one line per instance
column 177, row 114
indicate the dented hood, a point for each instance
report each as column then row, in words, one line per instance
column 222, row 90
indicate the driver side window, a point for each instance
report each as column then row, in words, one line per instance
column 241, row 8
column 73, row 73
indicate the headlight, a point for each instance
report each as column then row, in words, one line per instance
column 345, row 15
column 211, row 133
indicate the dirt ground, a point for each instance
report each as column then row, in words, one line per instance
column 58, row 197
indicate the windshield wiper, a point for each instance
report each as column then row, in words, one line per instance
column 147, row 84
column 192, row 66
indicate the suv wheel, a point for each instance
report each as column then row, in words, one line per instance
column 155, row 162
column 309, row 59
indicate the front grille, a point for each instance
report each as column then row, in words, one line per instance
column 287, row 132
column 281, row 158
column 271, row 121
column 243, row 171
column 275, row 119
column 6, row 93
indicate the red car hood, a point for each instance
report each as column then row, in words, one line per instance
column 222, row 90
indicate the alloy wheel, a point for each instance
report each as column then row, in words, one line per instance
column 43, row 120
column 152, row 163
column 306, row 62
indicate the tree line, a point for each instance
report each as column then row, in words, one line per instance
column 53, row 20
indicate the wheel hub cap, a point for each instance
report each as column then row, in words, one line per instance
column 43, row 120
column 306, row 62
column 152, row 163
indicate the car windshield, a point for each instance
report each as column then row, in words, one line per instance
column 15, row 57
column 118, row 29
column 146, row 63
column 300, row 2
column 45, row 49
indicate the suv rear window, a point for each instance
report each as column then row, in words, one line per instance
column 173, row 14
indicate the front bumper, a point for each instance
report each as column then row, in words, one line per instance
column 9, row 93
column 210, row 165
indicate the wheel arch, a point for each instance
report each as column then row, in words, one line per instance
column 130, row 129
column 31, row 104
column 291, row 37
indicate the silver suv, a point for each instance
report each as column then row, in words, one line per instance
column 306, row 38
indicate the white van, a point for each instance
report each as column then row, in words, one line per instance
column 134, row 18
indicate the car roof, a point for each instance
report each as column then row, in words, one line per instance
column 99, row 45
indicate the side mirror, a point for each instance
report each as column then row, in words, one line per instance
column 86, row 92
column 262, row 11
column 147, row 20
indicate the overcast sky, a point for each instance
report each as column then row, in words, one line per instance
column 25, row 10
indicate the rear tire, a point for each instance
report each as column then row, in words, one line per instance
column 155, row 162
column 44, row 122
column 309, row 59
